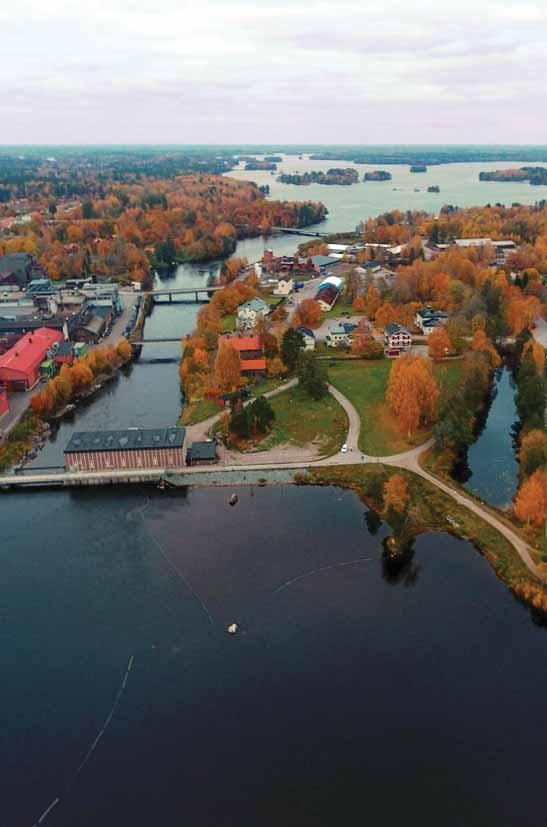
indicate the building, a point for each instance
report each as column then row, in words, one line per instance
column 4, row 402
column 328, row 292
column 427, row 319
column 202, row 453
column 20, row 365
column 284, row 287
column 63, row 354
column 502, row 248
column 340, row 335
column 249, row 312
column 250, row 353
column 133, row 448
column 19, row 269
column 397, row 340
column 309, row 338
column 322, row 263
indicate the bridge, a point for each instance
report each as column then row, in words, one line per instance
column 293, row 230
column 193, row 293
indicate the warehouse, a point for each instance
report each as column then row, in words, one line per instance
column 133, row 448
column 20, row 365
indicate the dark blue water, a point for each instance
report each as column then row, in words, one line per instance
column 491, row 459
column 345, row 698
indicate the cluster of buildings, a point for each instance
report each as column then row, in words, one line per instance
column 502, row 248
column 135, row 449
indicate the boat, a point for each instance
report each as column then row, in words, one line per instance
column 233, row 499
column 232, row 629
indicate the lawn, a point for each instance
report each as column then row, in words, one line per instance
column 338, row 311
column 364, row 383
column 300, row 420
column 198, row 411
column 228, row 323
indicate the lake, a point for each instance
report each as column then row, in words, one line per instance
column 344, row 696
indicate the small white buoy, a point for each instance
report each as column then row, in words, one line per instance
column 232, row 628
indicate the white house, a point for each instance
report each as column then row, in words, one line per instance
column 397, row 340
column 427, row 319
column 340, row 335
column 249, row 312
column 309, row 338
column 284, row 287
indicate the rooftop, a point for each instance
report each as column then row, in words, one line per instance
column 241, row 343
column 393, row 327
column 131, row 439
column 29, row 351
column 202, row 450
column 255, row 304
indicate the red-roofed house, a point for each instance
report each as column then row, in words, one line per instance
column 19, row 366
column 250, row 353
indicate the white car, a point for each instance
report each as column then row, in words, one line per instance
column 344, row 448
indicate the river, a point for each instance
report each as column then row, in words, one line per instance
column 345, row 696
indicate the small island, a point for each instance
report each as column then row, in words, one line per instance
column 253, row 165
column 377, row 175
column 536, row 176
column 434, row 188
column 418, row 168
column 344, row 177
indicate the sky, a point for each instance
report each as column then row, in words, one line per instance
column 242, row 71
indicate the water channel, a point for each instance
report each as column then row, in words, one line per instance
column 342, row 687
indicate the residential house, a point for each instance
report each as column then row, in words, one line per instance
column 340, row 335
column 397, row 340
column 250, row 352
column 284, row 287
column 427, row 319
column 309, row 338
column 249, row 312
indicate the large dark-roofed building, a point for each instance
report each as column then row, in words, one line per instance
column 134, row 448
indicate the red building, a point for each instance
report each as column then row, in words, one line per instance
column 132, row 449
column 250, row 353
column 4, row 402
column 19, row 366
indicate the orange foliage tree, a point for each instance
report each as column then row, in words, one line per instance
column 396, row 494
column 536, row 351
column 483, row 344
column 227, row 368
column 308, row 313
column 438, row 343
column 531, row 500
column 412, row 392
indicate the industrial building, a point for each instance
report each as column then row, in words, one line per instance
column 20, row 365
column 133, row 448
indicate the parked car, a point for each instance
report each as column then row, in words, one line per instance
column 344, row 448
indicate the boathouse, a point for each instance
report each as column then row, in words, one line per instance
column 133, row 448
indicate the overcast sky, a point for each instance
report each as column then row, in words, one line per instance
column 259, row 71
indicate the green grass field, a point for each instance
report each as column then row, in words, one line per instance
column 300, row 421
column 198, row 411
column 364, row 383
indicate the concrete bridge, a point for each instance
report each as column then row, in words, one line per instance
column 184, row 294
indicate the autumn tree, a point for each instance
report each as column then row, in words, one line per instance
column 438, row 343
column 396, row 494
column 531, row 499
column 227, row 367
column 372, row 301
column 533, row 452
column 412, row 392
column 483, row 344
column 308, row 313
column 124, row 350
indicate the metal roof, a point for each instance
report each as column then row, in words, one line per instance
column 203, row 450
column 131, row 439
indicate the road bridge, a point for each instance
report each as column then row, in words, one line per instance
column 183, row 294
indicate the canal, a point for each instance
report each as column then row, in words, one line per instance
column 491, row 465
